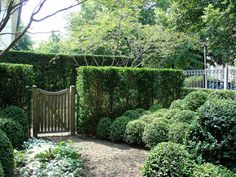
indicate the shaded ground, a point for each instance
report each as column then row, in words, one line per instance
column 106, row 159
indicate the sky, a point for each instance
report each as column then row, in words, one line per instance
column 55, row 23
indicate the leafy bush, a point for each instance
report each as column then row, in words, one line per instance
column 132, row 114
column 186, row 116
column 118, row 128
column 194, row 100
column 110, row 91
column 140, row 111
column 149, row 118
column 134, row 132
column 17, row 114
column 13, row 130
column 211, row 170
column 167, row 159
column 155, row 107
column 177, row 132
column 15, row 83
column 156, row 132
column 222, row 94
column 44, row 158
column 104, row 127
column 213, row 134
column 171, row 113
column 1, row 170
column 177, row 104
column 6, row 154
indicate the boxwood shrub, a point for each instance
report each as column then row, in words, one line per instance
column 1, row 171
column 156, row 132
column 6, row 154
column 222, row 94
column 171, row 113
column 155, row 107
column 149, row 118
column 208, row 169
column 132, row 114
column 213, row 134
column 177, row 104
column 177, row 132
column 134, row 132
column 17, row 114
column 194, row 100
column 168, row 159
column 118, row 128
column 186, row 116
column 13, row 130
column 104, row 127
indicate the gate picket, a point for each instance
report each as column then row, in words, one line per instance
column 53, row 112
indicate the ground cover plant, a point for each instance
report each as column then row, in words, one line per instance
column 45, row 158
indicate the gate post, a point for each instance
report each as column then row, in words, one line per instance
column 35, row 111
column 72, row 107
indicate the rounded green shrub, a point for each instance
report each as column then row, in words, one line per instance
column 13, row 130
column 222, row 94
column 194, row 100
column 168, row 160
column 17, row 114
column 211, row 170
column 134, row 132
column 155, row 107
column 213, row 134
column 186, row 116
column 171, row 113
column 156, row 132
column 118, row 128
column 6, row 154
column 177, row 104
column 140, row 110
column 104, row 127
column 177, row 132
column 149, row 118
column 132, row 114
column 1, row 170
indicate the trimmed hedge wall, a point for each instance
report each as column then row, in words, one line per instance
column 110, row 91
column 15, row 83
column 56, row 72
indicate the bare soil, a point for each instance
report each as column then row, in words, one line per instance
column 107, row 159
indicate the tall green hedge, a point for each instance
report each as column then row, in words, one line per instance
column 15, row 83
column 56, row 72
column 110, row 91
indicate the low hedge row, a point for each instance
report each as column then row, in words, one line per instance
column 15, row 83
column 110, row 91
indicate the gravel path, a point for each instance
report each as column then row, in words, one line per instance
column 106, row 159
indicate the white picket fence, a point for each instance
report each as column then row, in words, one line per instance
column 211, row 79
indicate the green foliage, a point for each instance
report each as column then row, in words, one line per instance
column 140, row 111
column 167, row 159
column 104, row 127
column 171, row 113
column 155, row 107
column 211, row 170
column 132, row 114
column 156, row 132
column 1, row 170
column 118, row 127
column 194, row 100
column 186, row 116
column 222, row 94
column 13, row 130
column 177, row 132
column 15, row 82
column 54, row 71
column 134, row 132
column 110, row 91
column 17, row 114
column 149, row 118
column 48, row 159
column 213, row 134
column 177, row 104
column 6, row 154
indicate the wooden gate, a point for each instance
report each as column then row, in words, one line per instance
column 53, row 112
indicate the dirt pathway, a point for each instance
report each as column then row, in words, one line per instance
column 106, row 159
